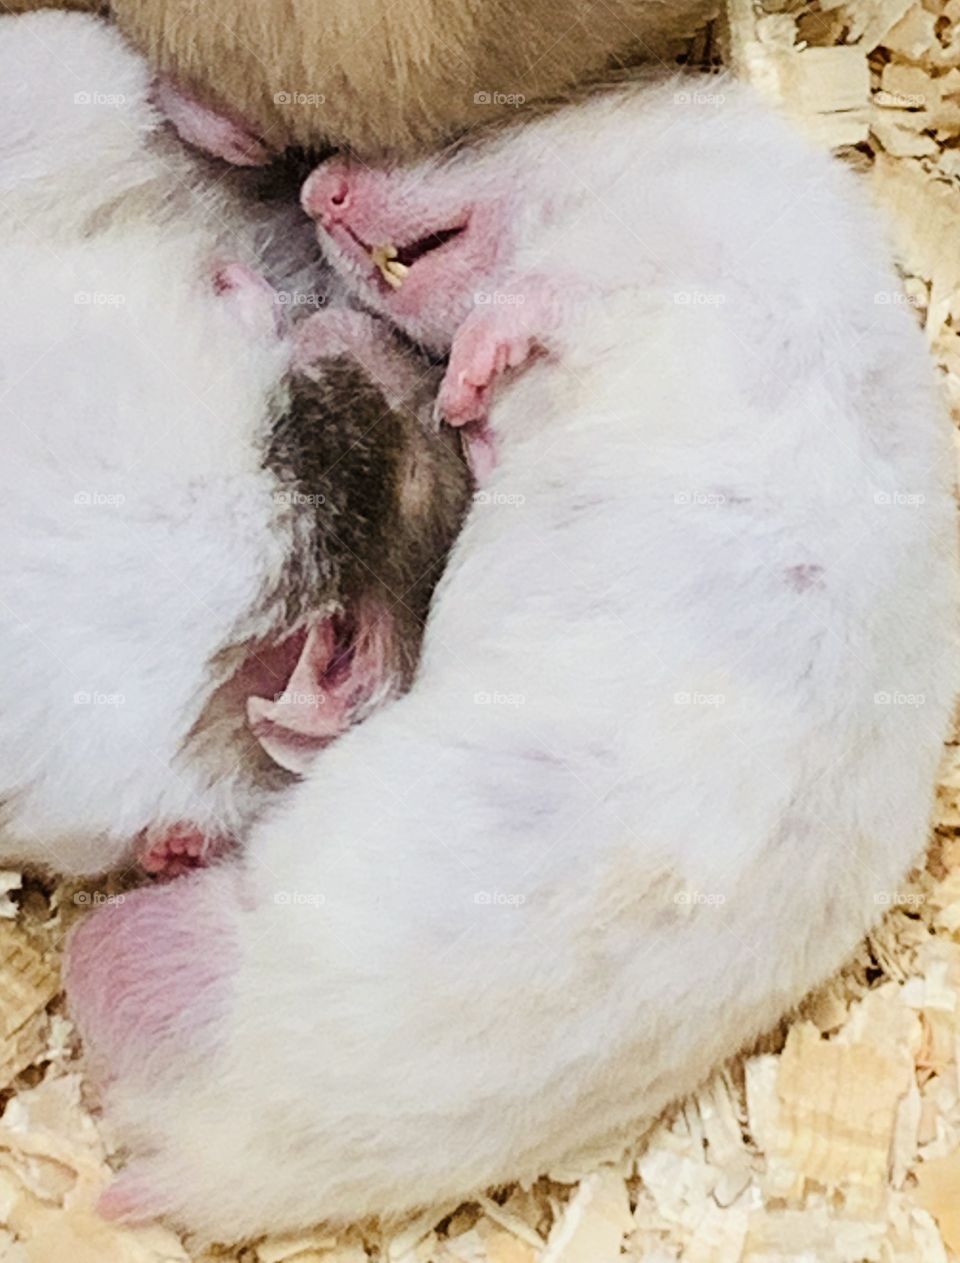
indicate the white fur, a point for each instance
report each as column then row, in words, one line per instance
column 140, row 530
column 485, row 932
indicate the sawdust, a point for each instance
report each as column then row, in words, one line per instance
column 839, row 1141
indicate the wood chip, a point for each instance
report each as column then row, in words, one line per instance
column 23, row 1048
column 913, row 35
column 511, row 1222
column 938, row 1185
column 594, row 1224
column 838, row 1109
column 878, row 21
column 294, row 1249
column 906, row 87
column 30, row 980
column 719, row 1237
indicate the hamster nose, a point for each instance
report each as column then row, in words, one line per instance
column 326, row 195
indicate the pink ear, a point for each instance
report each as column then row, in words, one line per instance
column 341, row 669
column 210, row 130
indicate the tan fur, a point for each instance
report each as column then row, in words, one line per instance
column 27, row 6
column 393, row 77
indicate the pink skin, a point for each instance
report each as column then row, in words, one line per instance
column 484, row 348
column 452, row 244
column 129, row 1199
column 148, row 979
column 500, row 336
column 214, row 132
column 337, row 331
column 492, row 343
column 341, row 666
column 305, row 691
column 114, row 962
column 179, row 849
column 342, row 331
column 489, row 344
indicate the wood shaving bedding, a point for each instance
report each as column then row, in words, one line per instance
column 839, row 1140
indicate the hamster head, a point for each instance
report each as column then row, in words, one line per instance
column 421, row 244
column 376, row 498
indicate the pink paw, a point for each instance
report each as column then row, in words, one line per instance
column 482, row 351
column 179, row 849
column 208, row 129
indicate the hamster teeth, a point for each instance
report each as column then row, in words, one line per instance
column 395, row 272
column 391, row 269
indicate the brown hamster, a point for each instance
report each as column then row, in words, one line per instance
column 386, row 77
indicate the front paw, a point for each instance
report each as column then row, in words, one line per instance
column 483, row 350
